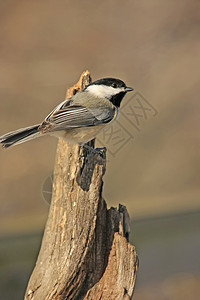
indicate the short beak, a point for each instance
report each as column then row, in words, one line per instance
column 128, row 89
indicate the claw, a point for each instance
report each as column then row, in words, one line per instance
column 99, row 151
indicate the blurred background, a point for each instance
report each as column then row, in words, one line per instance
column 154, row 47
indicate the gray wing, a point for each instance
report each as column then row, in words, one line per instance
column 75, row 116
column 80, row 116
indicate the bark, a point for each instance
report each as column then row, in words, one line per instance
column 85, row 253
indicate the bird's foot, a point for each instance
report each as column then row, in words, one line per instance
column 99, row 151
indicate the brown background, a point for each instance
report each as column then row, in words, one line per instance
column 154, row 47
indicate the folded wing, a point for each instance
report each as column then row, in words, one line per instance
column 75, row 116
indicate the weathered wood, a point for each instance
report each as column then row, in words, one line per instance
column 85, row 252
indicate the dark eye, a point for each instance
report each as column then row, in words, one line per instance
column 114, row 85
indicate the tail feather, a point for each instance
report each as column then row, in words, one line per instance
column 19, row 136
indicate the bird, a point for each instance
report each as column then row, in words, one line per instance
column 78, row 119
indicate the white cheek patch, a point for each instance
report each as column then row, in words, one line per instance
column 103, row 91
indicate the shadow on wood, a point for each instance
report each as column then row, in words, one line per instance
column 85, row 252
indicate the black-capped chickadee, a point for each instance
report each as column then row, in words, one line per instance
column 78, row 119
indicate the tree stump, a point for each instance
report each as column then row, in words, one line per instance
column 85, row 253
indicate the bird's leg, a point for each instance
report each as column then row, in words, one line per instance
column 100, row 151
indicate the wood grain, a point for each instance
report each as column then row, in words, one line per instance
column 85, row 253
